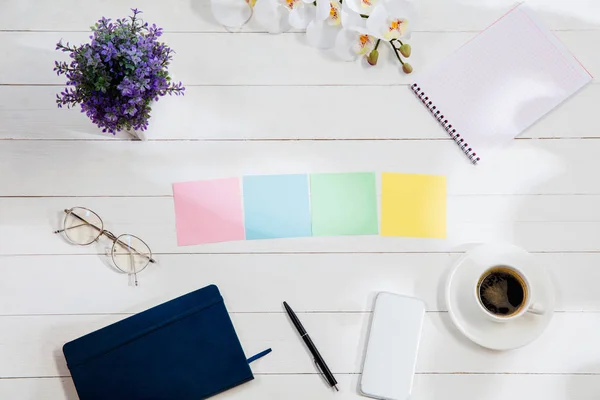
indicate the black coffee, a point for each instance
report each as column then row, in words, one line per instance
column 502, row 292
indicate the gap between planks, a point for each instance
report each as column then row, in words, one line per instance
column 594, row 82
column 356, row 373
column 151, row 196
column 259, row 313
column 287, row 253
column 290, row 32
column 447, row 139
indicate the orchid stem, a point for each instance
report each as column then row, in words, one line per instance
column 396, row 53
column 377, row 44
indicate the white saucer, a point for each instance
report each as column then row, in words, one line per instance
column 466, row 312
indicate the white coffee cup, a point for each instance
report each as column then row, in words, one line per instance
column 516, row 276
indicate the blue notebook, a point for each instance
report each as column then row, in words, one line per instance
column 184, row 349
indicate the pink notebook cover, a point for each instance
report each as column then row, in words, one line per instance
column 500, row 83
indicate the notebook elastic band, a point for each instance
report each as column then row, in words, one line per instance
column 259, row 355
column 427, row 102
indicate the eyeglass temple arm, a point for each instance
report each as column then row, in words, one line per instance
column 133, row 267
column 73, row 227
column 106, row 233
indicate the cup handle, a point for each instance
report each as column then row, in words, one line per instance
column 536, row 309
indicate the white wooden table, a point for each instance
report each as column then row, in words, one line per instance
column 260, row 104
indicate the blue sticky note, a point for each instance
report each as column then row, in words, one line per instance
column 276, row 206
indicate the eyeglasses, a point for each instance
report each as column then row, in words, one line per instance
column 129, row 253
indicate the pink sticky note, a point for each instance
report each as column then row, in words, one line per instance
column 208, row 211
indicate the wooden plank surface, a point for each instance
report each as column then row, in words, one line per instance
column 90, row 168
column 393, row 113
column 253, row 59
column 310, row 386
column 36, row 342
column 347, row 283
column 263, row 104
column 556, row 223
column 196, row 15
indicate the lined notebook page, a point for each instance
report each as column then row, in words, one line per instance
column 502, row 81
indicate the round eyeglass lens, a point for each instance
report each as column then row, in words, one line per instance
column 82, row 226
column 130, row 254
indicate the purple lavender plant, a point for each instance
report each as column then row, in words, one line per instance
column 118, row 74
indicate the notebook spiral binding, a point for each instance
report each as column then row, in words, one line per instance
column 464, row 146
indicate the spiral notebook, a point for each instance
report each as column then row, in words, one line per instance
column 499, row 83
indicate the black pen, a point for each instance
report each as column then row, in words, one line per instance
column 312, row 348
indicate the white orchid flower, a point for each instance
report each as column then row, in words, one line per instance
column 279, row 15
column 350, row 44
column 275, row 16
column 391, row 19
column 364, row 7
column 302, row 12
column 353, row 28
column 322, row 31
column 354, row 39
column 232, row 13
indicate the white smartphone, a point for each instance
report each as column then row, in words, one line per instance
column 392, row 348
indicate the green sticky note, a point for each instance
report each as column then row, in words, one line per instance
column 344, row 204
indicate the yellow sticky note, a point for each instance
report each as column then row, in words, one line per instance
column 413, row 205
